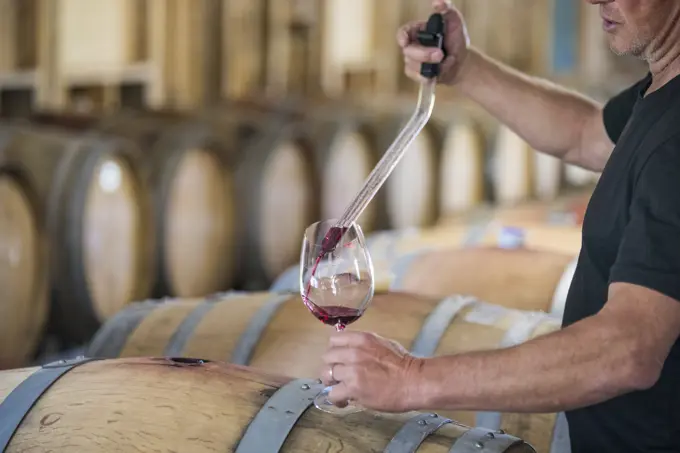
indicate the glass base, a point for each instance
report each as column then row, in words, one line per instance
column 321, row 402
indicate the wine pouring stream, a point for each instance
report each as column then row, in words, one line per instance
column 340, row 296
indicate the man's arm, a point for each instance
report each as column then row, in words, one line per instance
column 619, row 350
column 550, row 118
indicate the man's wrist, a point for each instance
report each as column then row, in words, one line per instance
column 469, row 70
column 421, row 389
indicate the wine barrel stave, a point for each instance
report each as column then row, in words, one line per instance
column 24, row 271
column 426, row 326
column 187, row 400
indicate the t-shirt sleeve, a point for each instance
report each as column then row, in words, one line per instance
column 649, row 254
column 617, row 110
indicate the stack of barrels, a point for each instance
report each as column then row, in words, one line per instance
column 148, row 234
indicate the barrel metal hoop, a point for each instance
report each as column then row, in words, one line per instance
column 414, row 432
column 106, row 344
column 289, row 280
column 251, row 336
column 437, row 323
column 561, row 442
column 518, row 333
column 401, row 267
column 181, row 336
column 479, row 440
column 273, row 423
column 559, row 299
column 21, row 400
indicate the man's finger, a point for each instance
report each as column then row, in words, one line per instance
column 423, row 54
column 415, row 75
column 342, row 354
column 409, row 32
column 340, row 395
column 441, row 6
column 349, row 338
column 339, row 373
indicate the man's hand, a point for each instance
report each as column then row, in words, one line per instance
column 372, row 371
column 456, row 44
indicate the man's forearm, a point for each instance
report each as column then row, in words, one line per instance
column 549, row 117
column 584, row 364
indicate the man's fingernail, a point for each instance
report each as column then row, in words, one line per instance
column 436, row 54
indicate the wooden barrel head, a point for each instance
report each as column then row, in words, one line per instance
column 23, row 305
column 547, row 179
column 511, row 167
column 284, row 207
column 411, row 189
column 112, row 236
column 348, row 164
column 462, row 168
column 198, row 224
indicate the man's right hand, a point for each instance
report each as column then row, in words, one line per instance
column 456, row 44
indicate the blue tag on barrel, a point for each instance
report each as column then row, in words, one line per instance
column 511, row 237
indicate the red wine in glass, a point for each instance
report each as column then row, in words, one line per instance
column 336, row 283
column 336, row 316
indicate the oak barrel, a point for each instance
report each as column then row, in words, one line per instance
column 274, row 332
column 412, row 189
column 347, row 149
column 190, row 405
column 93, row 207
column 189, row 168
column 24, row 273
column 510, row 168
column 462, row 166
column 278, row 193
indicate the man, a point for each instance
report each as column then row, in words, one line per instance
column 615, row 366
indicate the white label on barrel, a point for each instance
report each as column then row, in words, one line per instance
column 109, row 176
column 486, row 314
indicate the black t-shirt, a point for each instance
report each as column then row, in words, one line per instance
column 631, row 233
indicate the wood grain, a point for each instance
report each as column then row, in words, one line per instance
column 143, row 404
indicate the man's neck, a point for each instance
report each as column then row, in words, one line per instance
column 663, row 55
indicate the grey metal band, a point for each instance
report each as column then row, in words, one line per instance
column 414, row 432
column 437, row 323
column 276, row 419
column 559, row 299
column 401, row 267
column 186, row 329
column 519, row 333
column 561, row 442
column 289, row 280
column 249, row 339
column 21, row 400
column 479, row 439
column 111, row 338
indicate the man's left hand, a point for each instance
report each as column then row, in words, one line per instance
column 371, row 371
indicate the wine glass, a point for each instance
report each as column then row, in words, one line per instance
column 336, row 282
